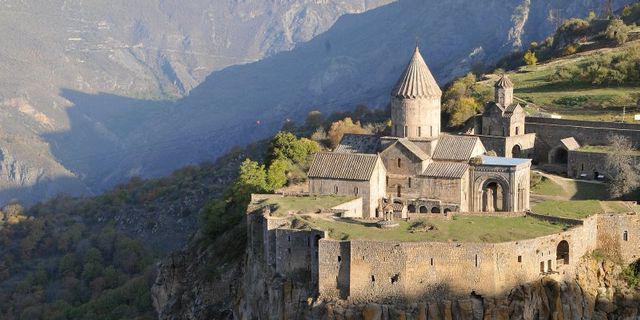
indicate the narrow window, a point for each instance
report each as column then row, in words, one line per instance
column 409, row 182
column 335, row 189
column 431, row 261
column 419, row 131
column 406, row 131
column 399, row 163
column 355, row 191
column 517, row 130
column 542, row 266
column 582, row 167
column 519, row 258
column 549, row 265
column 625, row 236
column 431, row 131
column 387, row 181
column 339, row 258
column 289, row 238
column 373, row 278
column 476, row 260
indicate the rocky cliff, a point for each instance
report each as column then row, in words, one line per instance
column 241, row 289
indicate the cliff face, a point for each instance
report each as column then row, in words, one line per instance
column 183, row 292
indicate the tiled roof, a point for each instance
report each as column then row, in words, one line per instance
column 570, row 143
column 414, row 149
column 416, row 81
column 359, row 143
column 504, row 82
column 451, row 147
column 446, row 169
column 346, row 166
column 510, row 109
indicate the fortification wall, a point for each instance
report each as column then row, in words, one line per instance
column 393, row 271
column 589, row 163
column 619, row 235
column 549, row 132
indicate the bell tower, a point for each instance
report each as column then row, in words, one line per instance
column 504, row 91
column 415, row 102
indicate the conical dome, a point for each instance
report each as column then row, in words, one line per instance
column 504, row 82
column 416, row 81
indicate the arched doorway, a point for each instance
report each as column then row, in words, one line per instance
column 435, row 210
column 562, row 252
column 423, row 209
column 516, row 151
column 558, row 155
column 493, row 197
column 411, row 208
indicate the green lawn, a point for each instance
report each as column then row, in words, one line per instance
column 545, row 186
column 597, row 103
column 280, row 205
column 604, row 149
column 580, row 209
column 463, row 229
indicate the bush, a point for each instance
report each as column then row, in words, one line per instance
column 571, row 101
column 617, row 31
column 530, row 58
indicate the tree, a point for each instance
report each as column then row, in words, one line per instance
column 252, row 179
column 287, row 146
column 462, row 99
column 339, row 128
column 621, row 167
column 277, row 174
column 530, row 58
column 617, row 31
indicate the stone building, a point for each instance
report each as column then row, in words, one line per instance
column 502, row 125
column 427, row 171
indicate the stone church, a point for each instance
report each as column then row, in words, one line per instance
column 419, row 169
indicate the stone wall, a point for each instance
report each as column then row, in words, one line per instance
column 619, row 235
column 549, row 132
column 588, row 163
column 393, row 271
column 347, row 188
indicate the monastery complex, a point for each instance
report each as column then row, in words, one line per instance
column 419, row 173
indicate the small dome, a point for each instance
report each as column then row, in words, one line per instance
column 416, row 81
column 504, row 82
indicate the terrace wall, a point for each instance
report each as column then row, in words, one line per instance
column 611, row 236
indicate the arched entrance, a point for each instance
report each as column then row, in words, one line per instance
column 558, row 155
column 411, row 208
column 435, row 210
column 423, row 209
column 562, row 253
column 516, row 151
column 494, row 196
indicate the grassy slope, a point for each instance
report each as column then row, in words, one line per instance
column 605, row 103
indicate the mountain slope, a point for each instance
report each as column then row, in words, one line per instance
column 356, row 61
column 55, row 53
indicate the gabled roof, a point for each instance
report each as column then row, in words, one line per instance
column 416, row 80
column 504, row 82
column 414, row 149
column 345, row 166
column 452, row 147
column 359, row 143
column 446, row 169
column 510, row 109
column 570, row 143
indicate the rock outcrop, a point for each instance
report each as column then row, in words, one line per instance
column 597, row 292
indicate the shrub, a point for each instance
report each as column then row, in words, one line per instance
column 617, row 31
column 530, row 58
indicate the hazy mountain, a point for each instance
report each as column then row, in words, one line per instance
column 59, row 56
column 356, row 61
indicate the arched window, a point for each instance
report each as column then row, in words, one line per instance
column 517, row 130
column 335, row 189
